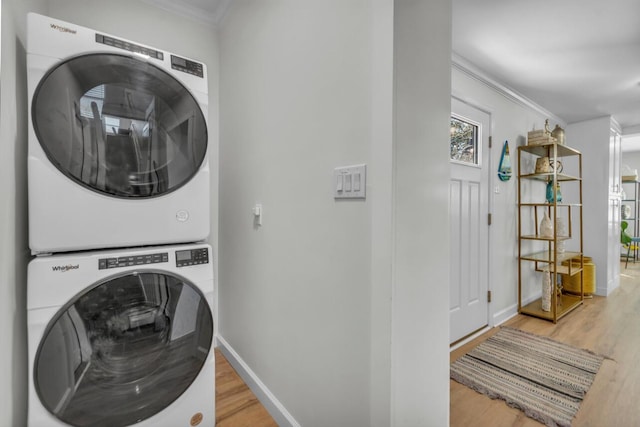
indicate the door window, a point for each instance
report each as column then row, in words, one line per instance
column 464, row 141
column 123, row 350
column 119, row 125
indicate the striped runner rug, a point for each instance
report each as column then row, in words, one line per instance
column 544, row 378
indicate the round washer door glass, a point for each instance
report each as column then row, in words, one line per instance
column 123, row 350
column 119, row 125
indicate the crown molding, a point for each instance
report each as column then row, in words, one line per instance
column 467, row 68
column 211, row 16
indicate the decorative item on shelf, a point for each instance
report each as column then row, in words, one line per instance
column 504, row 168
column 543, row 165
column 561, row 228
column 558, row 134
column 539, row 137
column 559, row 294
column 553, row 192
column 547, row 289
column 626, row 212
column 556, row 165
column 546, row 226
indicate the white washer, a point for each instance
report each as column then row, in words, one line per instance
column 117, row 141
column 118, row 338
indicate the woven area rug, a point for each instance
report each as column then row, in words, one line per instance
column 544, row 378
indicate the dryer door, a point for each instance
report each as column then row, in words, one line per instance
column 119, row 125
column 123, row 350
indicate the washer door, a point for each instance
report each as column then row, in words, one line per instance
column 119, row 125
column 123, row 350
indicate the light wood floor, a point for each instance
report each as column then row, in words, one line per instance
column 609, row 326
column 236, row 405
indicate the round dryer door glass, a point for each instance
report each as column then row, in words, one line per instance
column 123, row 351
column 119, row 125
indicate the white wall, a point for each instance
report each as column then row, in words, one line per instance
column 129, row 19
column 295, row 293
column 381, row 200
column 511, row 118
column 300, row 305
column 14, row 253
column 420, row 309
column 592, row 138
column 631, row 159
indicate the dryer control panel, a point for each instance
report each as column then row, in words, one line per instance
column 128, row 261
column 187, row 66
column 192, row 257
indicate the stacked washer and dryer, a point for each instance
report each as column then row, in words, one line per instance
column 120, row 293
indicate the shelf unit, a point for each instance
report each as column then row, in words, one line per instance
column 537, row 253
column 632, row 199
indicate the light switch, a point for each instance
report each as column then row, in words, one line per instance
column 257, row 214
column 347, row 182
column 350, row 182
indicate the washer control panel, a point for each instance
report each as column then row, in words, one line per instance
column 131, row 47
column 192, row 257
column 128, row 261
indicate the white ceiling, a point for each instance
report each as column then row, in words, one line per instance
column 579, row 59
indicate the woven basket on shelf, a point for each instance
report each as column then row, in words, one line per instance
column 539, row 137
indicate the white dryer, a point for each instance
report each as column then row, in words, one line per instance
column 118, row 151
column 118, row 338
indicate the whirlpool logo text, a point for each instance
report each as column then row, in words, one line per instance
column 65, row 268
column 63, row 29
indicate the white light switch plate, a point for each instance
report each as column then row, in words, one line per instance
column 350, row 182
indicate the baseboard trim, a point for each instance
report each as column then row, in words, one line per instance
column 503, row 315
column 264, row 395
column 496, row 320
column 470, row 338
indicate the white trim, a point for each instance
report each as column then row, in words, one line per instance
column 631, row 130
column 466, row 67
column 511, row 311
column 264, row 395
column 615, row 127
column 604, row 292
column 498, row 319
column 183, row 8
column 503, row 315
column 469, row 338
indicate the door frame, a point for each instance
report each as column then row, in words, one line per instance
column 491, row 187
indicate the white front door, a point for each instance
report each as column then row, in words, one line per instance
column 469, row 211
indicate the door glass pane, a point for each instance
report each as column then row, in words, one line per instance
column 464, row 141
column 123, row 351
column 119, row 125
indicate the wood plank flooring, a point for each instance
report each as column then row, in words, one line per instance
column 236, row 405
column 609, row 326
